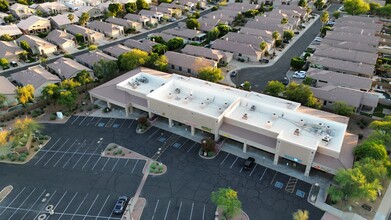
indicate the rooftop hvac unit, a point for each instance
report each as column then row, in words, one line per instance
column 269, row 124
column 253, row 108
column 177, row 90
column 301, row 122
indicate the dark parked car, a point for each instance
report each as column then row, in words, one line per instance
column 285, row 81
column 285, row 41
column 264, row 60
column 119, row 207
column 233, row 74
column 14, row 64
column 249, row 163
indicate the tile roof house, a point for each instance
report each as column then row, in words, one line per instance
column 358, row 24
column 89, row 59
column 241, row 7
column 295, row 9
column 343, row 36
column 356, row 30
column 38, row 45
column 52, row 8
column 94, row 12
column 207, row 24
column 266, row 35
column 349, row 45
column 145, row 45
column 34, row 24
column 125, row 23
column 8, row 90
column 240, row 51
column 116, row 50
column 278, row 15
column 88, row 34
column 62, row 39
column 10, row 51
column 187, row 64
column 141, row 19
column 347, row 55
column 109, row 30
column 10, row 29
column 36, row 76
column 173, row 5
column 207, row 53
column 268, row 24
column 360, row 19
column 61, row 21
column 151, row 14
column 21, row 11
column 67, row 68
column 168, row 11
column 254, row 41
column 187, row 34
column 166, row 37
column 225, row 16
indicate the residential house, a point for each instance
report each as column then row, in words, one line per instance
column 225, row 16
column 11, row 30
column 173, row 5
column 187, row 64
column 241, row 7
column 252, row 40
column 207, row 24
column 109, row 30
column 38, row 45
column 37, row 76
column 268, row 25
column 104, row 7
column 144, row 45
column 127, row 24
column 51, row 8
column 365, row 19
column 116, row 50
column 191, row 4
column 141, row 19
column 357, row 38
column 34, row 25
column 351, row 23
column 10, row 51
column 8, row 90
column 75, row 4
column 356, row 30
column 89, row 59
column 278, row 15
column 166, row 37
column 348, row 55
column 264, row 34
column 94, row 12
column 239, row 50
column 215, row 55
column 167, row 11
column 151, row 14
column 61, row 21
column 187, row 34
column 21, row 11
column 62, row 39
column 67, row 68
column 349, row 45
column 2, row 16
column 88, row 34
column 297, row 10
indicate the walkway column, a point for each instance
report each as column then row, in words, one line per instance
column 108, row 104
column 150, row 114
column 92, row 99
column 192, row 130
column 244, row 147
column 170, row 124
column 277, row 153
column 309, row 164
column 127, row 111
column 217, row 136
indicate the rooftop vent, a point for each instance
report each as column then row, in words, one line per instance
column 274, row 116
column 328, row 130
column 208, row 101
column 301, row 122
column 245, row 117
column 326, row 138
column 296, row 132
column 202, row 105
column 220, row 110
column 253, row 108
column 269, row 124
column 177, row 90
column 225, row 105
column 169, row 95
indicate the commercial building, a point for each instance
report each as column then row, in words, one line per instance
column 280, row 127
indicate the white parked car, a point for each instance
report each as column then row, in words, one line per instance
column 318, row 39
column 299, row 74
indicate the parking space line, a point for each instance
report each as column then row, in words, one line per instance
column 191, row 147
column 22, row 203
column 134, row 166
column 114, row 165
column 263, row 174
column 91, row 206
column 203, row 213
column 91, row 155
column 73, row 154
column 122, row 123
column 126, row 162
column 64, row 154
column 154, row 211
column 168, row 207
column 47, row 202
column 12, row 201
column 274, row 177
column 33, row 204
column 96, row 163
column 130, row 124
column 79, row 158
column 150, row 136
column 179, row 212
column 183, row 144
column 63, row 195
column 55, row 153
column 92, row 118
column 234, row 162
column 47, row 152
column 108, row 196
column 98, row 122
column 241, row 169
column 224, row 159
column 67, row 206
column 191, row 212
column 79, row 206
column 75, row 120
column 253, row 170
column 82, row 121
column 105, row 164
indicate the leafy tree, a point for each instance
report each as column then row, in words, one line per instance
column 380, row 137
column 373, row 7
column 69, row 84
column 67, row 98
column 23, row 2
column 25, row 94
column 274, row 88
column 175, row 43
column 303, row 3
column 133, row 59
column 250, row 13
column 25, row 46
column 384, row 125
column 115, row 8
column 159, row 49
column 384, row 11
column 227, row 200
column 275, row 36
column 325, row 17
column 157, row 62
column 92, row 47
column 84, row 77
column 105, row 69
column 158, row 39
column 213, row 34
column 4, row 62
column 131, row 7
column 8, row 19
column 224, row 29
column 371, row 149
column 4, row 134
column 193, row 24
column 79, row 38
column 288, row 34
column 341, row 108
column 301, row 93
column 246, row 86
column 284, row 20
column 336, row 14
column 262, row 46
column 142, row 4
column 71, row 17
column 210, row 74
column 6, row 37
column 26, row 125
column 297, row 62
column 319, row 4
column 208, row 145
column 373, row 169
column 84, row 18
column 50, row 92
column 301, row 214
column 23, row 55
column 356, row 7
column 308, row 81
column 196, row 14
column 4, row 5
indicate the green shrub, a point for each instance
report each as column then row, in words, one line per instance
column 96, row 106
column 36, row 148
column 2, row 157
column 53, row 117
column 21, row 158
column 109, row 149
column 297, row 62
column 89, row 109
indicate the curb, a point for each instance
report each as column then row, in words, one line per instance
column 4, row 193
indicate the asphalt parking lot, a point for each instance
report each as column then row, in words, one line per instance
column 70, row 174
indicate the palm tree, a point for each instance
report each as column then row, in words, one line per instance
column 262, row 46
column 275, row 36
column 71, row 17
column 301, row 215
column 324, row 18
